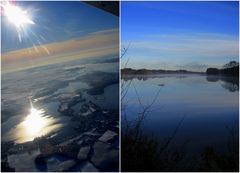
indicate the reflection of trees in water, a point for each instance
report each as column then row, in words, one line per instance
column 230, row 87
column 143, row 152
column 146, row 77
column 139, row 77
column 230, row 83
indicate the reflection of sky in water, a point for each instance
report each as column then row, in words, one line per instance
column 207, row 107
column 35, row 124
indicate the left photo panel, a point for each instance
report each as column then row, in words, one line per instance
column 59, row 86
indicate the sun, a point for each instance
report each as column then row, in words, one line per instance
column 16, row 15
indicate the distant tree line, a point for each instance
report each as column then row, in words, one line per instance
column 130, row 71
column 229, row 69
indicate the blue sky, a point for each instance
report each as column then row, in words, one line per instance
column 56, row 21
column 60, row 31
column 180, row 35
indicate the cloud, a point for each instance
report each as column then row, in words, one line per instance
column 95, row 44
column 193, row 51
column 107, row 31
column 191, row 45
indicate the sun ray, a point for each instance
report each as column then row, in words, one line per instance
column 16, row 16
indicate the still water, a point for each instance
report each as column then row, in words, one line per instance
column 206, row 108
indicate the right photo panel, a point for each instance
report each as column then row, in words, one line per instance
column 179, row 86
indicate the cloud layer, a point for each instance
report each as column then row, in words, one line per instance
column 95, row 44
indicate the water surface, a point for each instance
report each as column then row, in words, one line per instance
column 207, row 107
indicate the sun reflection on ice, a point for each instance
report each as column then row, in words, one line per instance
column 35, row 121
column 35, row 124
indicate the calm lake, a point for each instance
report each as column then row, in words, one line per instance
column 205, row 107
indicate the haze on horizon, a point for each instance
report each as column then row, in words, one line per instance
column 180, row 35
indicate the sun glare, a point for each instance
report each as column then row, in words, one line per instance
column 16, row 15
column 35, row 122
